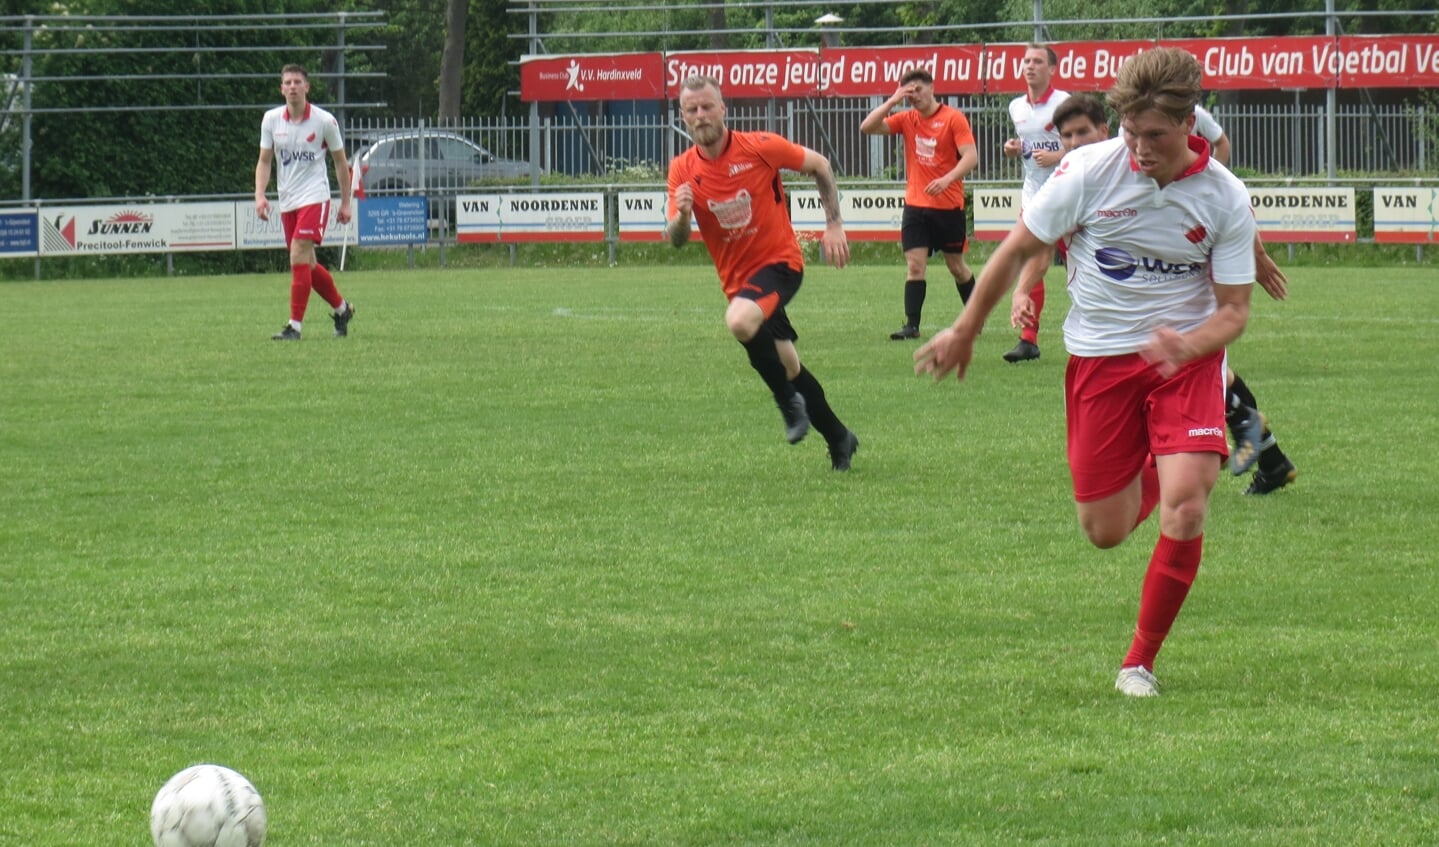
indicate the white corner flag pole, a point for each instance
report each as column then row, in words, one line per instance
column 345, row 245
column 357, row 193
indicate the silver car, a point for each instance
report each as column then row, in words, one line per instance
column 392, row 164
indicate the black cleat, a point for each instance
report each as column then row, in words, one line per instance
column 289, row 333
column 1022, row 352
column 796, row 419
column 904, row 333
column 1248, row 431
column 1265, row 482
column 841, row 454
column 342, row 320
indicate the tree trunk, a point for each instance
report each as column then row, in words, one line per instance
column 719, row 39
column 452, row 61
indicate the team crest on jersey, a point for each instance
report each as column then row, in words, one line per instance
column 734, row 213
column 925, row 148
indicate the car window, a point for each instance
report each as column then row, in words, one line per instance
column 455, row 150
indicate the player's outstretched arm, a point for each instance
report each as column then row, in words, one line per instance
column 952, row 349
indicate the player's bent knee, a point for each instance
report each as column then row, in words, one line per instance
column 1105, row 529
column 743, row 318
column 1106, row 537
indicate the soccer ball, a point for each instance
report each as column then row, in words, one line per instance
column 208, row 806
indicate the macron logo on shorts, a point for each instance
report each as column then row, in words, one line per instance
column 1202, row 431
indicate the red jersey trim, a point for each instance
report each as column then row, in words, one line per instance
column 1198, row 145
column 1043, row 98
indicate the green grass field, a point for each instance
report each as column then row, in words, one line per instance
column 526, row 560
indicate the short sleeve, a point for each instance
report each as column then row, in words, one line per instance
column 1059, row 206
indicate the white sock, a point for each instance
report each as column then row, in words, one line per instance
column 344, row 304
column 296, row 325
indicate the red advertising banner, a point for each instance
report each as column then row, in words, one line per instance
column 1083, row 65
column 863, row 71
column 748, row 73
column 1256, row 63
column 1375, row 61
column 1091, row 65
column 1387, row 61
column 600, row 76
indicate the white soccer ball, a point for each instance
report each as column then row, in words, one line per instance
column 208, row 806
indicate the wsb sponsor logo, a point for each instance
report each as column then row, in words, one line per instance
column 288, row 158
column 1119, row 265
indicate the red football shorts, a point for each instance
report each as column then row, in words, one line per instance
column 1120, row 411
column 306, row 223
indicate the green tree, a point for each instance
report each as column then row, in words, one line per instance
column 490, row 70
column 154, row 125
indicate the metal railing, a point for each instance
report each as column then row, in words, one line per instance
column 1272, row 141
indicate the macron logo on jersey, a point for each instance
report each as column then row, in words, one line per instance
column 740, row 168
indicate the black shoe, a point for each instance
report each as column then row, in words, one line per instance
column 1022, row 352
column 289, row 333
column 841, row 454
column 905, row 332
column 342, row 320
column 1267, row 481
column 796, row 419
column 1247, row 426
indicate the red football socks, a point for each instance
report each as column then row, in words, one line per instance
column 1172, row 569
column 1031, row 333
column 300, row 284
column 325, row 286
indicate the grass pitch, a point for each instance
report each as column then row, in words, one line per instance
column 526, row 560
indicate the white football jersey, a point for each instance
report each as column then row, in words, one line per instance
column 301, row 150
column 1034, row 126
column 1140, row 256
